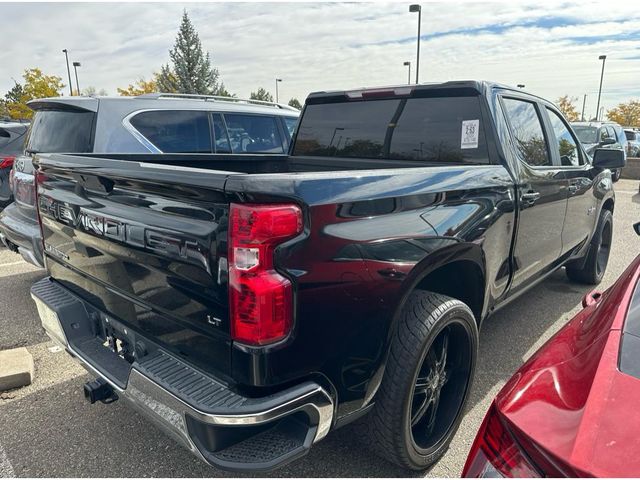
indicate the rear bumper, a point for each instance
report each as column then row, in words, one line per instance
column 25, row 237
column 220, row 426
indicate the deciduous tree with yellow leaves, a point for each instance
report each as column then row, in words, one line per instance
column 565, row 105
column 626, row 114
column 36, row 85
column 141, row 87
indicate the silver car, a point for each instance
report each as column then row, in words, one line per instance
column 152, row 123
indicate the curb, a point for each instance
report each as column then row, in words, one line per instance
column 16, row 368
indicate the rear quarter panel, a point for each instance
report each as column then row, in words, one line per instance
column 371, row 237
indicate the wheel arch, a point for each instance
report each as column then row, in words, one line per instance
column 457, row 271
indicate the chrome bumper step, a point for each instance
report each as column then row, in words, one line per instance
column 219, row 425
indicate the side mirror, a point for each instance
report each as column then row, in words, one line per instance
column 608, row 158
column 608, row 141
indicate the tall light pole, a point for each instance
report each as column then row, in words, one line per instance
column 408, row 64
column 417, row 8
column 75, row 69
column 584, row 100
column 521, row 85
column 603, row 58
column 278, row 80
column 335, row 130
column 66, row 54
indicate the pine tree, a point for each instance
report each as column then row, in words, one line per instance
column 223, row 92
column 261, row 94
column 191, row 72
column 295, row 103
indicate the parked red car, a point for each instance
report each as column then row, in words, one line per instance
column 573, row 408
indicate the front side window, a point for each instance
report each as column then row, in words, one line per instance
column 527, row 130
column 253, row 134
column 58, row 131
column 175, row 131
column 438, row 130
column 604, row 134
column 619, row 135
column 567, row 145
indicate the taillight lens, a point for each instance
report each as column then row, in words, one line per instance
column 39, row 178
column 495, row 453
column 260, row 299
column 6, row 162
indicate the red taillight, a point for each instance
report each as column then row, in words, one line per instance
column 39, row 178
column 495, row 453
column 6, row 162
column 260, row 299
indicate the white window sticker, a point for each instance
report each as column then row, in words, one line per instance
column 470, row 134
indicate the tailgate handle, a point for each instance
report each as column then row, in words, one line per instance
column 95, row 183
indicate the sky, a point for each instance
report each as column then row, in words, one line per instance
column 551, row 48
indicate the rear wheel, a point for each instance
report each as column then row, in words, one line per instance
column 595, row 264
column 421, row 399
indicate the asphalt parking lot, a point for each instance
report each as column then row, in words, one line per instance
column 48, row 429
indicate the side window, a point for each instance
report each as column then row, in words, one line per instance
column 604, row 134
column 253, row 134
column 175, row 131
column 612, row 133
column 220, row 138
column 292, row 123
column 527, row 130
column 567, row 144
column 619, row 134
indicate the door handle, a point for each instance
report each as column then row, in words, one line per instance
column 530, row 197
column 573, row 188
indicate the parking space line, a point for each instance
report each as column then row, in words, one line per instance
column 6, row 469
column 11, row 263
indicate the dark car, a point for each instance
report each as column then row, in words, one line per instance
column 572, row 409
column 152, row 123
column 602, row 135
column 251, row 305
column 12, row 135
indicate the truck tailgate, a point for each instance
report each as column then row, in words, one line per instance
column 144, row 243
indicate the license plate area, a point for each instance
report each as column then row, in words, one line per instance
column 120, row 339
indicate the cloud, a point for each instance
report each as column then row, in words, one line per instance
column 553, row 49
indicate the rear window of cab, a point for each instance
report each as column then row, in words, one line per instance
column 439, row 130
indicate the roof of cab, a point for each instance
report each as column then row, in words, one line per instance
column 480, row 86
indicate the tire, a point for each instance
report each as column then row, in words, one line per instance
column 410, row 382
column 595, row 264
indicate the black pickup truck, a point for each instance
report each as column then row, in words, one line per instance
column 251, row 305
